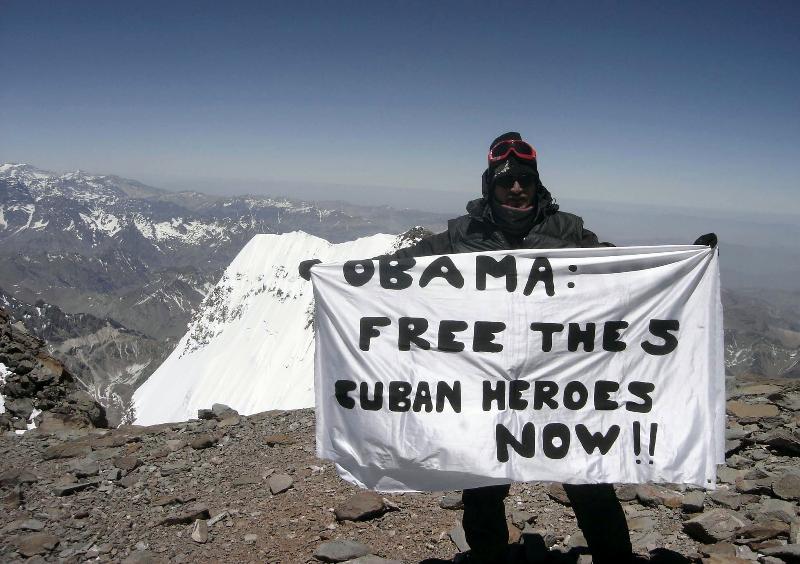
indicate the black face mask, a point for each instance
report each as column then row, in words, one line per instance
column 512, row 220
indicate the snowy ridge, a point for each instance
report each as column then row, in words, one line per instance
column 101, row 207
column 251, row 345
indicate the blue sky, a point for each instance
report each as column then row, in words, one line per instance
column 658, row 103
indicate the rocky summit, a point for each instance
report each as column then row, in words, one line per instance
column 229, row 488
column 36, row 389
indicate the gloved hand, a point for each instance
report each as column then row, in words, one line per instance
column 709, row 240
column 305, row 268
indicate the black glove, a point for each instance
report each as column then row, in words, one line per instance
column 305, row 268
column 709, row 240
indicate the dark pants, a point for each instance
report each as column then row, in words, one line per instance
column 596, row 506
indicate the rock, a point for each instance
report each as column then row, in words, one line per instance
column 725, row 559
column 729, row 475
column 370, row 559
column 144, row 557
column 731, row 447
column 646, row 541
column 19, row 407
column 250, row 538
column 174, row 445
column 220, row 409
column 247, row 480
column 166, row 500
column 738, row 462
column 719, row 548
column 360, row 507
column 781, row 440
column 787, row 486
column 84, row 468
column 69, row 489
column 340, row 551
column 789, row 553
column 130, row 480
column 200, row 442
column 790, row 402
column 777, row 510
column 13, row 499
column 36, row 543
column 576, row 540
column 744, row 410
column 733, row 433
column 556, row 491
column 522, row 518
column 758, row 390
column 230, row 420
column 174, row 468
column 23, row 525
column 111, row 441
column 794, row 532
column 16, row 476
column 200, row 531
column 693, row 502
column 279, row 483
column 66, row 450
column 452, row 501
column 756, row 473
column 714, row 526
column 127, row 463
column 459, row 538
column 111, row 474
column 188, row 515
column 217, row 518
column 760, row 486
column 729, row 499
column 652, row 496
column 762, row 531
column 626, row 492
column 278, row 440
column 641, row 523
column 514, row 534
column 205, row 414
column 66, row 479
column 63, row 423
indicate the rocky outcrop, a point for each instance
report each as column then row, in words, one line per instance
column 226, row 488
column 38, row 389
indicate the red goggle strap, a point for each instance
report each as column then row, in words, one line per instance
column 512, row 147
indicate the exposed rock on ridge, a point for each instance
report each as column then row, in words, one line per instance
column 36, row 384
column 207, row 490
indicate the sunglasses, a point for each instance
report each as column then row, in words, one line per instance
column 520, row 148
column 506, row 182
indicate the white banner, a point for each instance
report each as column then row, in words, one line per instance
column 568, row 365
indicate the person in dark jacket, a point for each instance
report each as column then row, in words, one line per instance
column 516, row 211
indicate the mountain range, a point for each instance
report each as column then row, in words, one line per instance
column 111, row 273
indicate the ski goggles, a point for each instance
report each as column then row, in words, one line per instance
column 520, row 148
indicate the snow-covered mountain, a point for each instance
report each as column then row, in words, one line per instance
column 251, row 344
column 126, row 265
column 145, row 257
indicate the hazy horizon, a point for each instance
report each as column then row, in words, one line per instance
column 660, row 104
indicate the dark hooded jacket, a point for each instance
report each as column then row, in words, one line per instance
column 477, row 231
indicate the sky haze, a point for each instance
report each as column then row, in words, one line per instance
column 679, row 103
